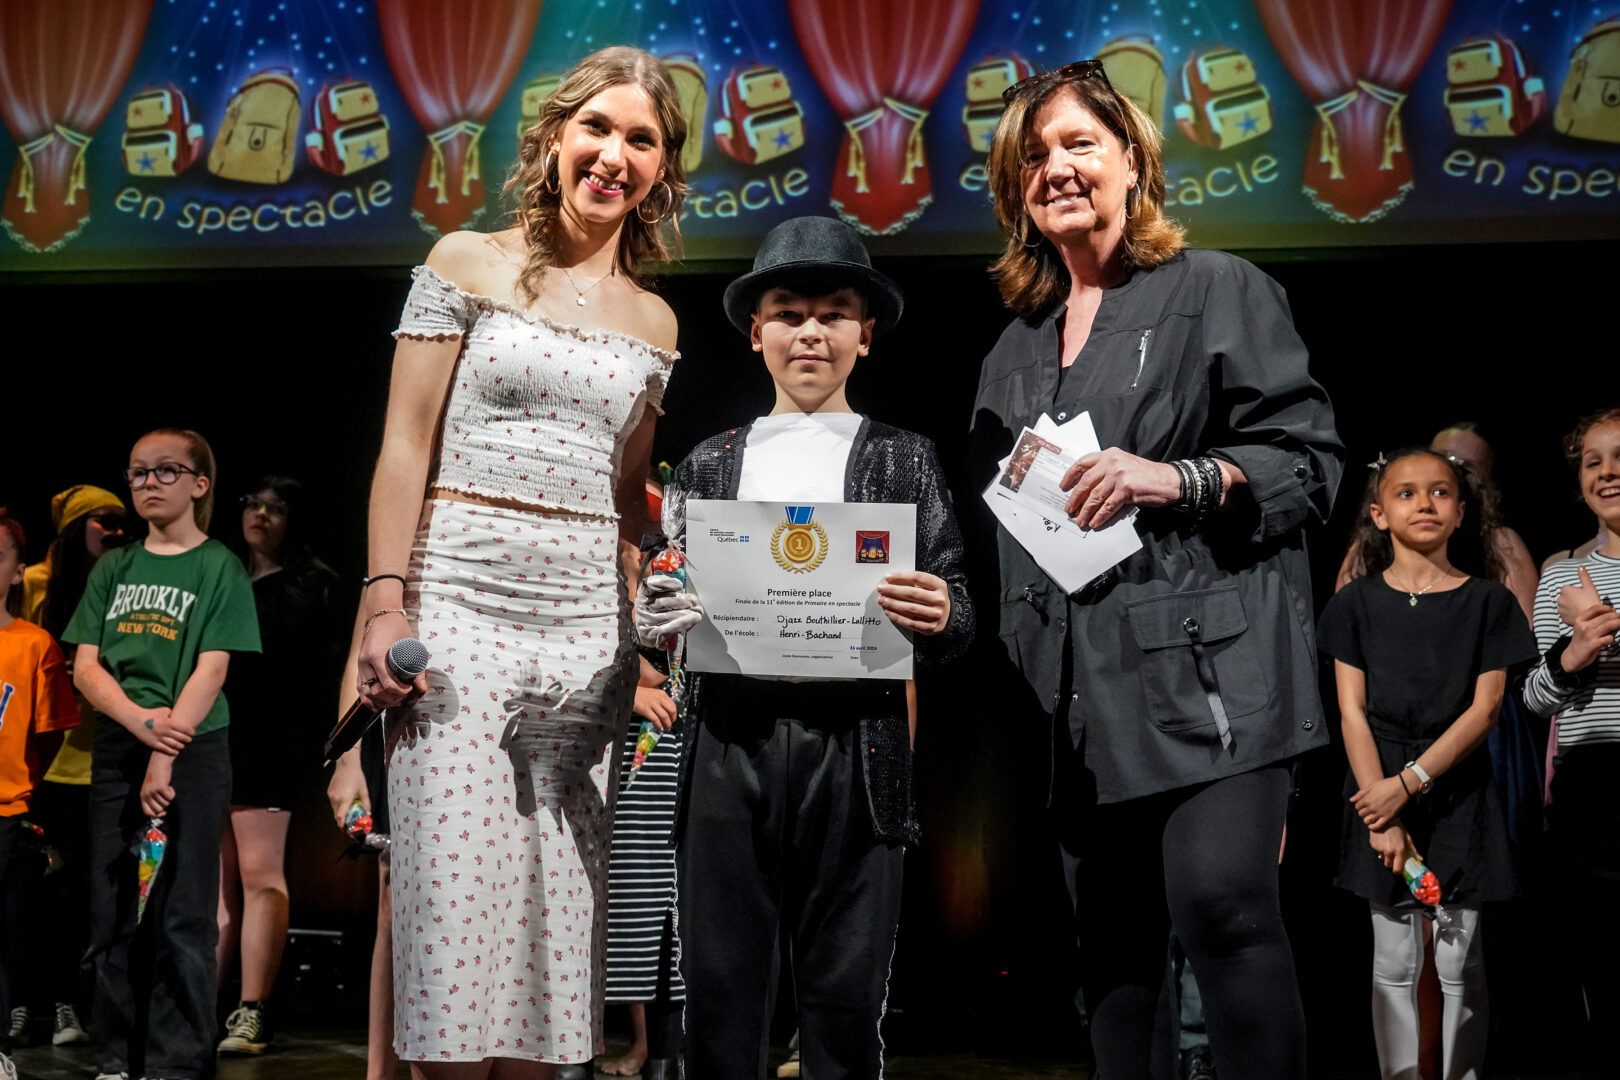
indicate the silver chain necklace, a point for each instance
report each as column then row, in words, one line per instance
column 579, row 293
column 1412, row 597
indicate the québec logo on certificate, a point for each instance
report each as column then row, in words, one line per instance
column 802, row 603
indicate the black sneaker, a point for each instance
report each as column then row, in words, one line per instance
column 69, row 1029
column 18, row 1032
column 247, row 1030
column 1197, row 1064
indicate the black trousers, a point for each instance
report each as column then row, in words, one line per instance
column 59, row 903
column 777, row 836
column 12, row 926
column 154, row 982
column 1202, row 858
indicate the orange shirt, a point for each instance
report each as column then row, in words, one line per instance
column 35, row 696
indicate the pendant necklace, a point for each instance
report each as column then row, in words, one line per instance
column 1412, row 597
column 579, row 293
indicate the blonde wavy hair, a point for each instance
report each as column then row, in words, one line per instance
column 1030, row 273
column 536, row 186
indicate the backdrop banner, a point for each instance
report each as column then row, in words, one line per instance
column 179, row 133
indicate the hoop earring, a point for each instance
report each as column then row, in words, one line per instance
column 1130, row 209
column 545, row 174
column 669, row 204
column 1025, row 242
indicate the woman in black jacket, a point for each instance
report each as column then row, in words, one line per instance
column 1181, row 683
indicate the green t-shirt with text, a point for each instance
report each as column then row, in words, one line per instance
column 152, row 615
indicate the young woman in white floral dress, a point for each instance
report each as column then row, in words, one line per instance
column 530, row 367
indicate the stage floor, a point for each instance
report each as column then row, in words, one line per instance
column 341, row 1055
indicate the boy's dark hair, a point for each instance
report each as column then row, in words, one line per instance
column 1472, row 548
column 13, row 528
column 813, row 285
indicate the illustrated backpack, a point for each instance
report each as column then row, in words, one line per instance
column 1589, row 106
column 1135, row 68
column 349, row 132
column 257, row 141
column 985, row 82
column 1489, row 91
column 1222, row 102
column 160, row 138
column 692, row 91
column 760, row 120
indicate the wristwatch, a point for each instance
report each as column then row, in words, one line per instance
column 1425, row 781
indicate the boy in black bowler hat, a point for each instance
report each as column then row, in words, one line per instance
column 797, row 793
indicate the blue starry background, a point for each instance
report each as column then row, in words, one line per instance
column 207, row 47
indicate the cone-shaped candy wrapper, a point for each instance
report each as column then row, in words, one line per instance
column 149, row 848
column 1426, row 888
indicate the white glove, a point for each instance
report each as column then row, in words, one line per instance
column 664, row 610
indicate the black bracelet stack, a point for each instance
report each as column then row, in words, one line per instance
column 1201, row 487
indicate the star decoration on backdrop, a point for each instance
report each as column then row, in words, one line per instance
column 370, row 152
column 1249, row 124
column 146, row 163
column 1476, row 122
column 783, row 139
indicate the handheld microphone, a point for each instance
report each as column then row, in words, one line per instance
column 407, row 658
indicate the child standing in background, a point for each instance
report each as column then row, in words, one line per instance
column 1579, row 680
column 1421, row 644
column 35, row 697
column 154, row 632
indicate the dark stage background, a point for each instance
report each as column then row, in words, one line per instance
column 287, row 371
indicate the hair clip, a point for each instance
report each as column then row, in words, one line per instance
column 1379, row 463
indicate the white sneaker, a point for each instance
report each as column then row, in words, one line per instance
column 112, row 1076
column 8, row 1071
column 68, row 1028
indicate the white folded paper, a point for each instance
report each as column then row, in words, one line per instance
column 1026, row 500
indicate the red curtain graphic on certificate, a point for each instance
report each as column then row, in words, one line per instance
column 62, row 64
column 454, row 61
column 1355, row 60
column 882, row 65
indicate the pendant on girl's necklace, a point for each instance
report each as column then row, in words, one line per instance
column 580, row 301
column 1412, row 602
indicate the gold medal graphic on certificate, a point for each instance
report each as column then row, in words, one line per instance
column 799, row 545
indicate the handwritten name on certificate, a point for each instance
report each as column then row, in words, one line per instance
column 792, row 589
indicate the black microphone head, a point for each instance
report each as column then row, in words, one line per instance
column 407, row 658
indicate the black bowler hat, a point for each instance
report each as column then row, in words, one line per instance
column 814, row 255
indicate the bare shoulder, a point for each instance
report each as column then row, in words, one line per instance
column 472, row 261
column 654, row 320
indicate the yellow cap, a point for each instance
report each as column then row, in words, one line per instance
column 74, row 503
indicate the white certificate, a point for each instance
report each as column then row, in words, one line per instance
column 792, row 589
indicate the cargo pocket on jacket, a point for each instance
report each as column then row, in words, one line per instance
column 1199, row 665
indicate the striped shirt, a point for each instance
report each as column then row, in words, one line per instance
column 1590, row 714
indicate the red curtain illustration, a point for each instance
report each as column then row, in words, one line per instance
column 1355, row 59
column 62, row 65
column 882, row 65
column 453, row 60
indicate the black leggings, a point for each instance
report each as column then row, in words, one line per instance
column 1205, row 859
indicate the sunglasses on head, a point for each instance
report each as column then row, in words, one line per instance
column 1080, row 69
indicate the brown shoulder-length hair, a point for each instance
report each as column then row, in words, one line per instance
column 535, row 184
column 1030, row 273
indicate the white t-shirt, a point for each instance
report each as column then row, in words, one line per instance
column 797, row 456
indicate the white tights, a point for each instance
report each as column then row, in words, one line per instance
column 1397, row 960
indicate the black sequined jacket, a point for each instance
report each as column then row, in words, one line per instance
column 886, row 464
